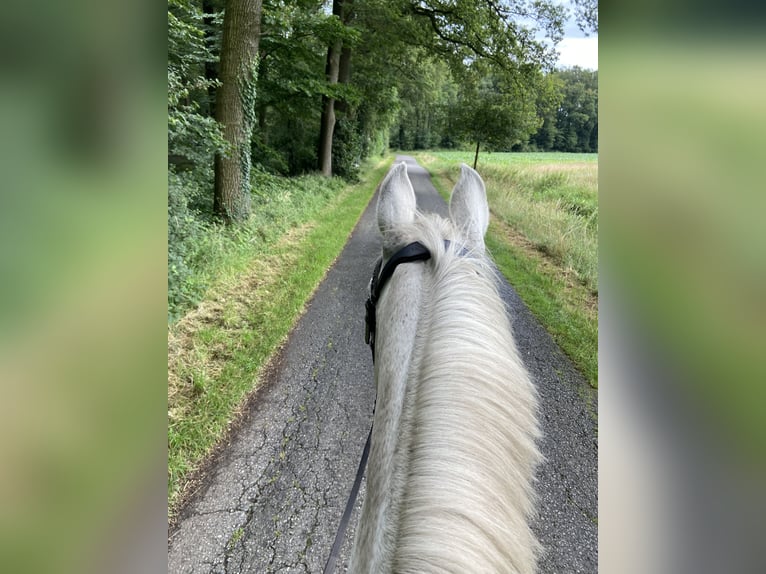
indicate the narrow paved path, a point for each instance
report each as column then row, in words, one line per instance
column 273, row 501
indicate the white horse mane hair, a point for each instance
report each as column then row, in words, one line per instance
column 450, row 480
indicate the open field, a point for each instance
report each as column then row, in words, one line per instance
column 551, row 199
column 543, row 236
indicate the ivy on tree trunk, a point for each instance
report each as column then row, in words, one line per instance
column 235, row 108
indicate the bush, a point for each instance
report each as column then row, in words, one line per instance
column 268, row 158
column 184, row 231
column 374, row 144
column 346, row 149
column 295, row 138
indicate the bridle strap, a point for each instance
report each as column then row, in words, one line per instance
column 409, row 253
column 413, row 252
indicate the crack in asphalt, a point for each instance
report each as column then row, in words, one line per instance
column 274, row 500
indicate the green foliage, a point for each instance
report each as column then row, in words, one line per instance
column 557, row 111
column 193, row 140
column 471, row 62
column 376, row 83
column 289, row 142
column 346, row 149
column 402, row 55
column 549, row 98
column 268, row 158
column 193, row 136
column 427, row 95
column 577, row 116
column 494, row 110
column 237, row 207
column 185, row 230
column 503, row 34
column 586, row 15
column 374, row 144
column 291, row 83
column 200, row 250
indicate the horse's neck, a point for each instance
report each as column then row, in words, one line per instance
column 399, row 317
column 454, row 433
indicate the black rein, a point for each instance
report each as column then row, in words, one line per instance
column 412, row 252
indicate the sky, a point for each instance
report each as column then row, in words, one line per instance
column 579, row 51
column 576, row 49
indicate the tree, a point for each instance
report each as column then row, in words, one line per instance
column 291, row 82
column 577, row 116
column 495, row 111
column 549, row 99
column 193, row 136
column 425, row 94
column 496, row 58
column 458, row 33
column 338, row 70
column 235, row 108
column 503, row 32
column 586, row 15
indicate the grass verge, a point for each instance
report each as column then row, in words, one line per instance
column 218, row 351
column 562, row 301
column 551, row 199
column 203, row 252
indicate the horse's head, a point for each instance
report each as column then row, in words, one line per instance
column 469, row 213
column 409, row 236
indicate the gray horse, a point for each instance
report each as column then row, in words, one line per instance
column 453, row 452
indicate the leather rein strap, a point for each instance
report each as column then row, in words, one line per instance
column 412, row 252
column 330, row 566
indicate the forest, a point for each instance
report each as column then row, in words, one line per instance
column 262, row 92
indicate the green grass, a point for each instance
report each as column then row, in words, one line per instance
column 557, row 305
column 216, row 353
column 543, row 237
column 551, row 199
column 525, row 158
column 218, row 251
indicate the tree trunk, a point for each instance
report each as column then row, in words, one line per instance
column 338, row 69
column 327, row 127
column 235, row 108
column 476, row 157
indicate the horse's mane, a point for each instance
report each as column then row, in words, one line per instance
column 468, row 496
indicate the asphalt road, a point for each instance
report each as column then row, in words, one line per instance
column 273, row 499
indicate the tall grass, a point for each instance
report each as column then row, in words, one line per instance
column 214, row 251
column 550, row 199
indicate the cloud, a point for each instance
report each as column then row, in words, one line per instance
column 581, row 52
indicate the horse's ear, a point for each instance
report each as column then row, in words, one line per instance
column 468, row 207
column 396, row 204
